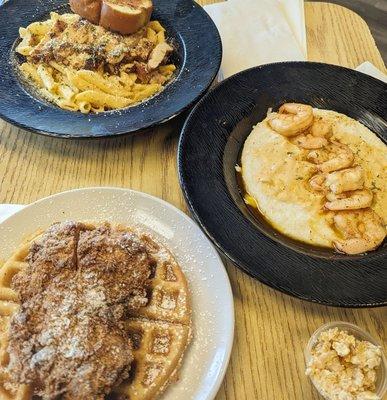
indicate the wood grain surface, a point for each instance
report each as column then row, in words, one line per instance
column 271, row 328
column 374, row 13
column 339, row 36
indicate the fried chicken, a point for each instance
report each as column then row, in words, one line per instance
column 103, row 257
column 51, row 256
column 67, row 339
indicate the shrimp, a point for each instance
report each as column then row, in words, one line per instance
column 349, row 201
column 310, row 142
column 363, row 230
column 337, row 182
column 333, row 157
column 321, row 129
column 345, row 180
column 317, row 182
column 319, row 156
column 291, row 119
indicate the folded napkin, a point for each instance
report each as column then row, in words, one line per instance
column 370, row 69
column 256, row 32
column 295, row 15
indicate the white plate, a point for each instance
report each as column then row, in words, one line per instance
column 206, row 359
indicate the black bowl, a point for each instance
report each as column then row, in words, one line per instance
column 210, row 146
column 198, row 57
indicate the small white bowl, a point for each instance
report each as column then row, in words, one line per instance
column 381, row 377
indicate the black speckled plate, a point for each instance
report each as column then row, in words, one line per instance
column 210, row 146
column 199, row 53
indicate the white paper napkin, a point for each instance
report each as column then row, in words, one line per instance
column 293, row 11
column 255, row 32
column 295, row 15
column 370, row 69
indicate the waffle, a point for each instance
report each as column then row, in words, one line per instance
column 8, row 306
column 160, row 331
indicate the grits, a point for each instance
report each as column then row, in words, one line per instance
column 276, row 174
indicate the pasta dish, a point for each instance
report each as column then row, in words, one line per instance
column 83, row 67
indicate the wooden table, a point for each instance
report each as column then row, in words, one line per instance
column 271, row 328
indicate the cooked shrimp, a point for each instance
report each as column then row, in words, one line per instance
column 319, row 156
column 362, row 230
column 291, row 119
column 349, row 201
column 333, row 157
column 317, row 182
column 337, row 182
column 345, row 180
column 321, row 129
column 310, row 142
column 333, row 196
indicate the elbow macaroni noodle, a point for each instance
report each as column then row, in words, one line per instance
column 84, row 90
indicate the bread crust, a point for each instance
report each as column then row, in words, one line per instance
column 123, row 16
column 123, row 22
column 89, row 9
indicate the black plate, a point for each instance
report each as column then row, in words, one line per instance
column 199, row 53
column 209, row 148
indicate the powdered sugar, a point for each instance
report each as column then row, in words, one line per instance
column 72, row 293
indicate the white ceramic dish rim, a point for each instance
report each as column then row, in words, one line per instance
column 211, row 388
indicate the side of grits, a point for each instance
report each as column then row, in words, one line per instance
column 276, row 175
